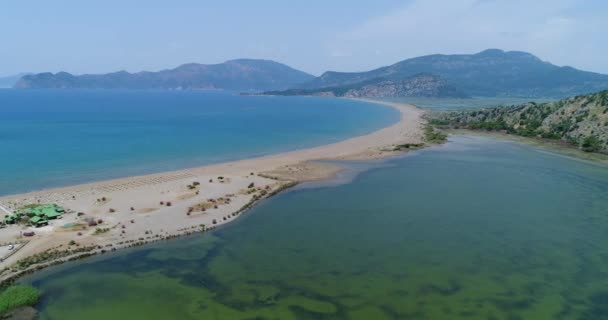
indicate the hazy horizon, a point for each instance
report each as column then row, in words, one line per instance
column 315, row 74
column 108, row 36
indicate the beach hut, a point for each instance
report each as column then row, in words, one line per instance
column 48, row 212
column 51, row 213
column 38, row 221
column 12, row 219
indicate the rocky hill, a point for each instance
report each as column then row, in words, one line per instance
column 490, row 73
column 581, row 121
column 242, row 75
column 420, row 85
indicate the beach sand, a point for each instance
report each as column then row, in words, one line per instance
column 159, row 206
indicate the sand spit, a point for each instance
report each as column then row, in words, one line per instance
column 107, row 215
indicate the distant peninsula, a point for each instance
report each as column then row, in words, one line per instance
column 238, row 75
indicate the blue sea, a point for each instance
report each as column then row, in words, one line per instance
column 51, row 138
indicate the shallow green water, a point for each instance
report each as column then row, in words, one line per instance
column 476, row 229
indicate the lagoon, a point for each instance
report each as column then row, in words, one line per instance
column 478, row 228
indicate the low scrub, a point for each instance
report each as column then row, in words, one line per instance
column 433, row 136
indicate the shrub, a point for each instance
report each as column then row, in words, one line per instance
column 18, row 296
column 434, row 136
column 591, row 144
column 101, row 230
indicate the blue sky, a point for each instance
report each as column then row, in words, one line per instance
column 313, row 35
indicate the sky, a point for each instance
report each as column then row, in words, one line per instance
column 313, row 35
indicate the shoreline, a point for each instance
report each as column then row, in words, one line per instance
column 141, row 209
column 550, row 145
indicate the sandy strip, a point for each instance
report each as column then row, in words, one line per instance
column 157, row 206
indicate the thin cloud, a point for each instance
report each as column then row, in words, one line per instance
column 552, row 29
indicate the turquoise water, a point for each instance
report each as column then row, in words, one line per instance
column 60, row 137
column 475, row 229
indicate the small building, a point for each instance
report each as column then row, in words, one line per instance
column 51, row 213
column 12, row 219
column 44, row 213
column 38, row 221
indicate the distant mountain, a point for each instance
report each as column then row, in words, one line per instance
column 420, row 85
column 581, row 121
column 242, row 75
column 490, row 73
column 9, row 81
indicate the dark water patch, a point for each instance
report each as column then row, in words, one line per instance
column 598, row 308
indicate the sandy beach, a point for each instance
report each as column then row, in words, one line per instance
column 106, row 215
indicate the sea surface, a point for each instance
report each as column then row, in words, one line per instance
column 475, row 229
column 52, row 138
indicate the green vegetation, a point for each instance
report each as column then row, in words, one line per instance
column 101, row 231
column 18, row 296
column 433, row 136
column 406, row 146
column 579, row 121
column 51, row 255
column 591, row 144
column 496, row 125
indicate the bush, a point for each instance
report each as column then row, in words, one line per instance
column 18, row 296
column 550, row 135
column 591, row 144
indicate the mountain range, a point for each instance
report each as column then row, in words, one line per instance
column 490, row 73
column 239, row 75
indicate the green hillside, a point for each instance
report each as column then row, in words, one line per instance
column 580, row 121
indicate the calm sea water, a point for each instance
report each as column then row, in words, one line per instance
column 61, row 137
column 475, row 229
